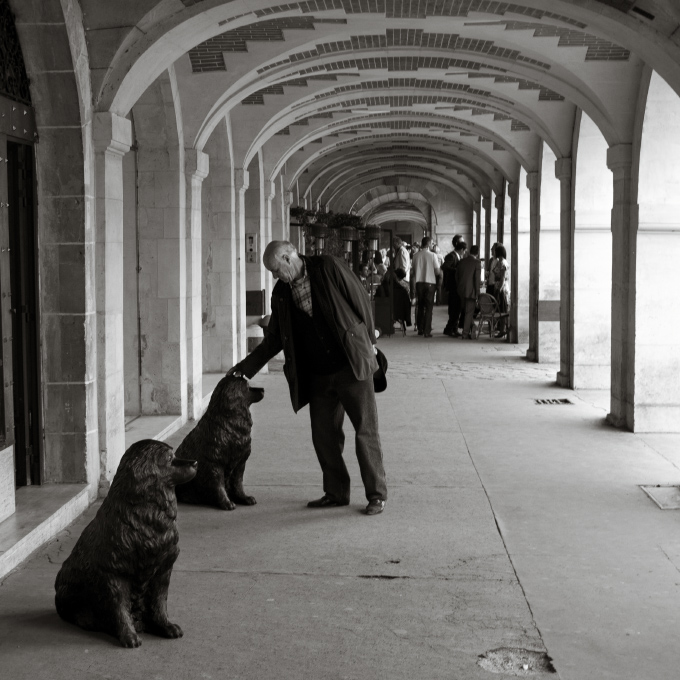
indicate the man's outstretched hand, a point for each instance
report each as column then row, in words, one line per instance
column 235, row 371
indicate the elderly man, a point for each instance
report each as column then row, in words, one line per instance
column 321, row 319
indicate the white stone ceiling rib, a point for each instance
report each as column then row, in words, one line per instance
column 474, row 80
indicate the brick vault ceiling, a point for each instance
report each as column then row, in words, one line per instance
column 478, row 83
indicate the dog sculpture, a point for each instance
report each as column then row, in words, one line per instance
column 117, row 576
column 221, row 443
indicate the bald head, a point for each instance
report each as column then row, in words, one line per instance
column 282, row 260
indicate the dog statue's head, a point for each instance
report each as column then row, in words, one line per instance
column 147, row 464
column 233, row 392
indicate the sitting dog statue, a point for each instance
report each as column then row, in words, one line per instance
column 117, row 576
column 221, row 443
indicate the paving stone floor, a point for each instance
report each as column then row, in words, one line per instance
column 508, row 524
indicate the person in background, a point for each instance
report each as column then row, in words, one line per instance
column 502, row 289
column 440, row 258
column 426, row 272
column 490, row 278
column 468, row 281
column 402, row 260
column 411, row 279
column 364, row 278
column 455, row 302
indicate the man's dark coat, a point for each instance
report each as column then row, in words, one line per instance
column 345, row 307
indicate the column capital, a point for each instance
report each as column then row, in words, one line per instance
column 486, row 202
column 287, row 198
column 533, row 180
column 196, row 164
column 620, row 157
column 111, row 133
column 563, row 168
column 513, row 190
column 242, row 179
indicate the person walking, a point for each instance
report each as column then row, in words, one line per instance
column 468, row 281
column 455, row 302
column 321, row 319
column 426, row 272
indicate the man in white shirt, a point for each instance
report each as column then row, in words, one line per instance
column 425, row 272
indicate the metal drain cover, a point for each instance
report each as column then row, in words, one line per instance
column 558, row 402
column 515, row 661
column 666, row 496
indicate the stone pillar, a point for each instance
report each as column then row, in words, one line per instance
column 486, row 204
column 196, row 165
column 220, row 287
column 242, row 182
column 563, row 172
column 619, row 161
column 522, row 241
column 478, row 224
column 270, row 219
column 255, row 220
column 162, row 273
column 534, row 186
column 279, row 209
column 513, row 193
column 112, row 140
column 500, row 215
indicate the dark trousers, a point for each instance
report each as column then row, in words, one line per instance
column 455, row 308
column 331, row 396
column 469, row 311
column 425, row 295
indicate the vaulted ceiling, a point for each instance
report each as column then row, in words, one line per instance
column 345, row 93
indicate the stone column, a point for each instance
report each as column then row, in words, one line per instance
column 270, row 220
column 242, row 182
column 112, row 140
column 534, row 186
column 478, row 223
column 619, row 161
column 513, row 193
column 219, row 254
column 486, row 204
column 563, row 172
column 500, row 215
column 196, row 164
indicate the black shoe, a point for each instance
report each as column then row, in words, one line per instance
column 375, row 507
column 326, row 502
column 420, row 333
column 451, row 334
column 428, row 335
column 455, row 335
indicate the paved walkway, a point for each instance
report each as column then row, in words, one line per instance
column 509, row 525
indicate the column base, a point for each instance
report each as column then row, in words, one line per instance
column 531, row 355
column 563, row 380
column 616, row 421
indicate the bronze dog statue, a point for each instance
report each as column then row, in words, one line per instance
column 116, row 578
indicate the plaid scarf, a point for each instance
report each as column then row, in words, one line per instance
column 302, row 292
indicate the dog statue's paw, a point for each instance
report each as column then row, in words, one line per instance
column 130, row 639
column 223, row 501
column 244, row 500
column 172, row 630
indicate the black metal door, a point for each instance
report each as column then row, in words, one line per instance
column 24, row 330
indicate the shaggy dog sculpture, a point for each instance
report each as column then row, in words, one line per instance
column 221, row 443
column 116, row 579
